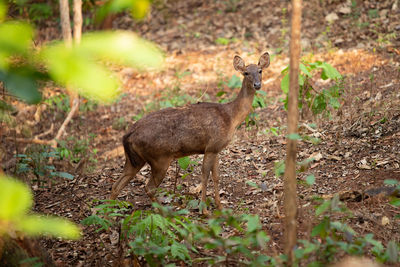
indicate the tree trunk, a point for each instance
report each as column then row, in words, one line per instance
column 15, row 250
column 65, row 22
column 290, row 193
column 77, row 21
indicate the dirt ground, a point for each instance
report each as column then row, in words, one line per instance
column 359, row 146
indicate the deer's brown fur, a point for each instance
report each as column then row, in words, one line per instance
column 202, row 128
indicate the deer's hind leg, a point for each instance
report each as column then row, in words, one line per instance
column 127, row 175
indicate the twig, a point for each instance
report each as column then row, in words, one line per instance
column 45, row 133
column 176, row 176
column 65, row 123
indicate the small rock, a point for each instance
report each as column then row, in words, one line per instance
column 345, row 10
column 331, row 17
column 385, row 220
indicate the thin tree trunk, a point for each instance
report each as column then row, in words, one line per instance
column 65, row 22
column 77, row 21
column 290, row 193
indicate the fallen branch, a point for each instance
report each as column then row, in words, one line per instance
column 65, row 123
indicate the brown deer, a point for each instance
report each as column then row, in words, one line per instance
column 202, row 128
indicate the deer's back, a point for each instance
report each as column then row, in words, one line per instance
column 192, row 129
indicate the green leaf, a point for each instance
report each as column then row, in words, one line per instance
column 72, row 68
column 310, row 180
column 294, row 136
column 184, row 162
column 222, row 41
column 65, row 175
column 234, row 82
column 253, row 223
column 320, row 229
column 179, row 251
column 122, row 47
column 304, row 69
column 334, row 102
column 279, row 168
column 140, row 8
column 252, row 184
column 285, row 84
column 50, row 226
column 323, row 207
column 395, row 202
column 391, row 182
column 329, row 72
column 22, row 84
column 262, row 239
column 15, row 39
column 3, row 10
column 15, row 199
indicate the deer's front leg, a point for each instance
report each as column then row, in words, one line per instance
column 208, row 163
column 215, row 177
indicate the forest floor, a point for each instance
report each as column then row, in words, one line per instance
column 359, row 146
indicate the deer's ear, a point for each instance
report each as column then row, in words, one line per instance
column 263, row 62
column 238, row 64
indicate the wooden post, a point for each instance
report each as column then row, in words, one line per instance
column 290, row 193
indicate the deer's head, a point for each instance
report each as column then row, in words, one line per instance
column 252, row 73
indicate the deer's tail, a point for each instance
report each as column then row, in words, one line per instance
column 131, row 154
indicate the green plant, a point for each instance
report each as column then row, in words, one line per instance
column 16, row 219
column 187, row 165
column 310, row 98
column 58, row 102
column 169, row 236
column 333, row 239
column 395, row 201
column 225, row 41
column 36, row 160
column 75, row 150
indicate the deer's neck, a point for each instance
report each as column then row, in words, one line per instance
column 241, row 106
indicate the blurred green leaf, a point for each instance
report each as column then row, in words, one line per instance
column 304, row 69
column 123, row 47
column 140, row 8
column 310, row 180
column 15, row 39
column 15, row 198
column 3, row 11
column 253, row 223
column 294, row 136
column 285, row 84
column 65, row 175
column 22, row 84
column 50, row 226
column 72, row 68
column 279, row 168
column 234, row 82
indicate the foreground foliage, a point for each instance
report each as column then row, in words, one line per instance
column 166, row 236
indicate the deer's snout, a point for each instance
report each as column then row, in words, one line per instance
column 257, row 85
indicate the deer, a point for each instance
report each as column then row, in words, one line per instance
column 203, row 128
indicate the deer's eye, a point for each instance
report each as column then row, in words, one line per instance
column 260, row 71
column 246, row 73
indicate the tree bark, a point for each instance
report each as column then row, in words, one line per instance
column 65, row 22
column 290, row 193
column 77, row 21
column 15, row 250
